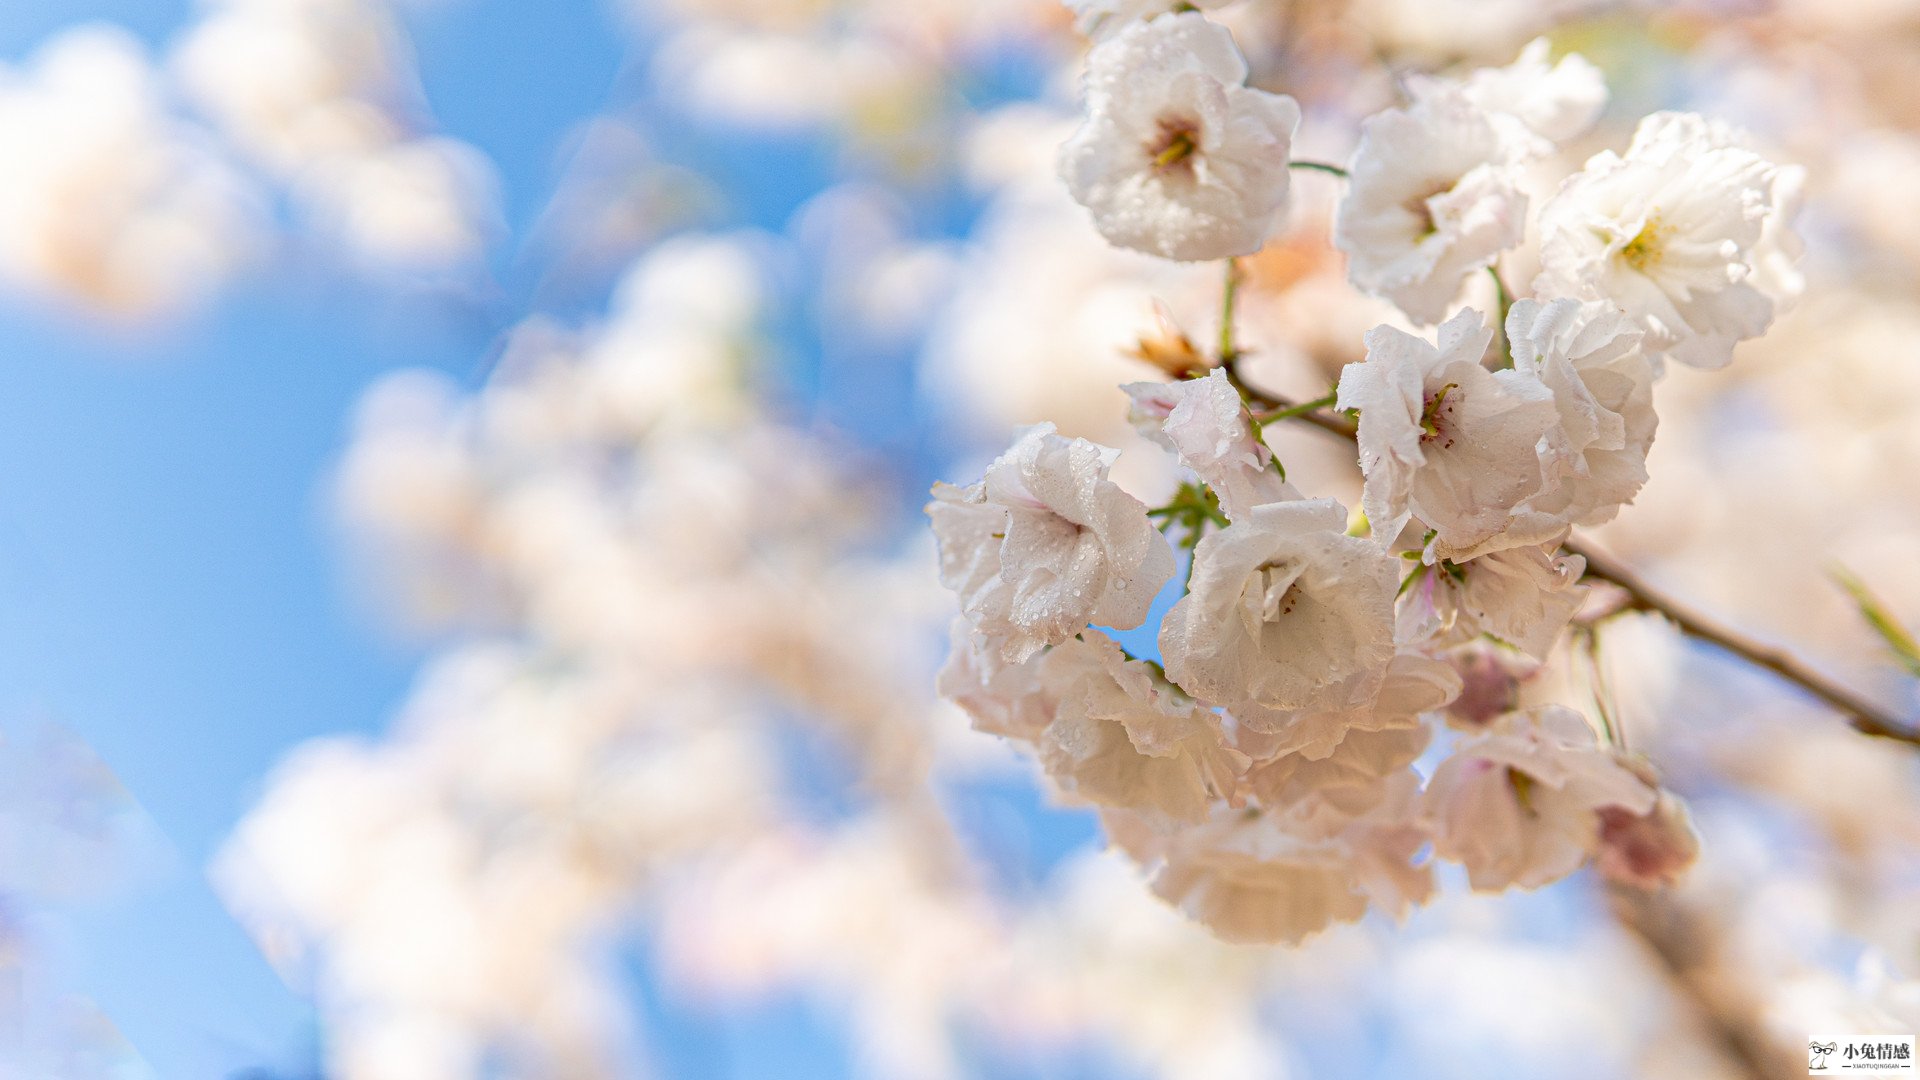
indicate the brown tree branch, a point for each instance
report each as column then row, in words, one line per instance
column 1685, row 949
column 1864, row 715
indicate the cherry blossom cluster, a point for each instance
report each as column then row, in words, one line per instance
column 1336, row 693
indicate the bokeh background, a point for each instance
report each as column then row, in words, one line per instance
column 464, row 609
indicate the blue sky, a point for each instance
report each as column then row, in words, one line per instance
column 168, row 583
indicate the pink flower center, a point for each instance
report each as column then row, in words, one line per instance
column 1174, row 145
column 1436, row 417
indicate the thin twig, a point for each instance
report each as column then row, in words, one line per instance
column 1865, row 716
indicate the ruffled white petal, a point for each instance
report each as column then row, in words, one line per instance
column 1045, row 545
column 1284, row 611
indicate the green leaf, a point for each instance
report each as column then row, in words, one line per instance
column 1898, row 638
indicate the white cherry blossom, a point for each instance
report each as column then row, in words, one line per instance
column 1670, row 232
column 1284, row 611
column 1413, row 684
column 1125, row 738
column 1520, row 805
column 1522, row 596
column 1001, row 698
column 1776, row 258
column 1596, row 456
column 1776, row 255
column 1045, row 544
column 1205, row 423
column 1434, row 195
column 1176, row 157
column 1444, row 440
column 1281, row 877
column 1555, row 102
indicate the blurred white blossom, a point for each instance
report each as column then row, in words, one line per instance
column 109, row 200
column 1521, row 804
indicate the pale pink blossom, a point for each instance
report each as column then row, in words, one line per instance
column 1352, row 780
column 1444, row 440
column 1124, row 737
column 1206, row 424
column 1278, row 878
column 1412, row 685
column 1045, row 544
column 1520, row 805
column 1523, row 597
column 1647, row 850
column 1490, row 677
column 1007, row 699
column 1284, row 611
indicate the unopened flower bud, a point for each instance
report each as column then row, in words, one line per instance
column 1646, row 850
column 1168, row 347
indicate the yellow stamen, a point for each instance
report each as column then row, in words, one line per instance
column 1522, row 788
column 1647, row 248
column 1429, row 416
column 1179, row 147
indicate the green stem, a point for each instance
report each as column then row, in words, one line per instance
column 1229, row 297
column 1597, row 684
column 1301, row 409
column 1319, row 166
column 1504, row 299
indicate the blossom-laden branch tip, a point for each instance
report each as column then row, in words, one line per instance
column 1264, row 775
